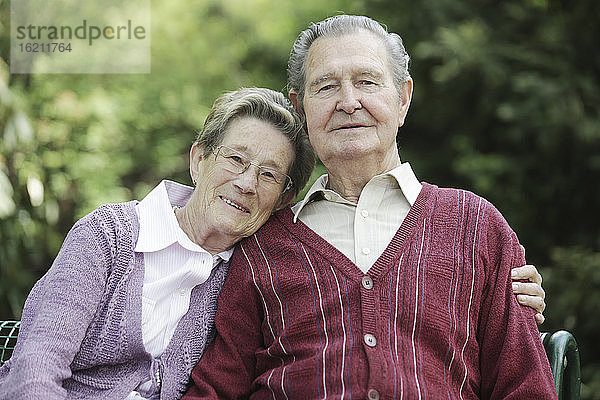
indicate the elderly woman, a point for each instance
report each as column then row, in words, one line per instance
column 127, row 308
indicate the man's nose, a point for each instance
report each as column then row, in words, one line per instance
column 349, row 99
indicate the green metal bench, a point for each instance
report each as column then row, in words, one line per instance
column 563, row 354
column 560, row 346
column 8, row 338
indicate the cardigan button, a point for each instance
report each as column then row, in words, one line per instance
column 367, row 282
column 370, row 340
column 373, row 394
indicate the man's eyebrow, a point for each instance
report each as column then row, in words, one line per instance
column 372, row 74
column 320, row 79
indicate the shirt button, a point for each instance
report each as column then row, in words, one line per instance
column 370, row 340
column 364, row 213
column 373, row 394
column 182, row 292
column 328, row 196
column 366, row 251
column 367, row 282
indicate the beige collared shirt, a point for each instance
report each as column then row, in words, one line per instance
column 361, row 231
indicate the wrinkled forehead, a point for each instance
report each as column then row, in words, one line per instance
column 259, row 140
column 356, row 53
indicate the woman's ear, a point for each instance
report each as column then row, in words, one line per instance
column 285, row 199
column 196, row 156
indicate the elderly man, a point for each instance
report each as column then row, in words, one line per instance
column 375, row 285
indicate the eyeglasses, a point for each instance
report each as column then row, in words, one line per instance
column 235, row 162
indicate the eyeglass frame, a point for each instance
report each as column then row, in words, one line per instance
column 248, row 163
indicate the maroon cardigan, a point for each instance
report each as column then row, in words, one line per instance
column 435, row 317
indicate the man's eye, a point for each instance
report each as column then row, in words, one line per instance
column 366, row 83
column 325, row 88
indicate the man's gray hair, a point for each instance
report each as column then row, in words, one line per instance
column 266, row 105
column 341, row 25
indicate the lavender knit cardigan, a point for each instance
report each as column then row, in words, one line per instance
column 81, row 335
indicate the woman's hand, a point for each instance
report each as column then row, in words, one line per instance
column 527, row 286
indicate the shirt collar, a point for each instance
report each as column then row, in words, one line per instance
column 408, row 182
column 403, row 175
column 158, row 225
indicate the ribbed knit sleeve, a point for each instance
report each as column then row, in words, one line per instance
column 56, row 316
column 61, row 336
column 513, row 361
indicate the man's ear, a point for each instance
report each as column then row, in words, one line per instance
column 196, row 155
column 296, row 102
column 405, row 98
column 285, row 199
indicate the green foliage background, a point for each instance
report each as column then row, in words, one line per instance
column 506, row 104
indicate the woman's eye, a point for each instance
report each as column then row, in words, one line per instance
column 268, row 174
column 236, row 159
